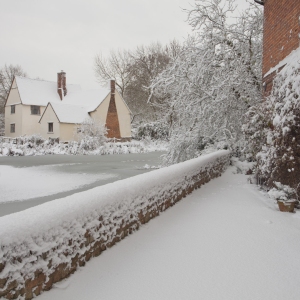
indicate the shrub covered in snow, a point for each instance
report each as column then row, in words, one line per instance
column 1, row 124
column 274, row 130
column 34, row 145
column 91, row 135
column 282, row 193
column 154, row 130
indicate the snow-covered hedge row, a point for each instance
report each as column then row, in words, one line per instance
column 47, row 243
column 35, row 145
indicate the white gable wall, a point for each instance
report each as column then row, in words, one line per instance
column 16, row 118
column 124, row 116
column 100, row 113
column 49, row 117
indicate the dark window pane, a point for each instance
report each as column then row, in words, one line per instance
column 12, row 109
column 12, row 127
column 50, row 127
column 35, row 110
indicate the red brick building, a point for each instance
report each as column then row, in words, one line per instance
column 281, row 36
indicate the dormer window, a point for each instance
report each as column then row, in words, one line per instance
column 12, row 109
column 35, row 110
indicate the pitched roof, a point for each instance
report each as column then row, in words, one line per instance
column 90, row 99
column 74, row 107
column 40, row 92
column 68, row 113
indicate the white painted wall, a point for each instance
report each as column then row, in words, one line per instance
column 16, row 118
column 100, row 113
column 68, row 132
column 30, row 123
column 124, row 116
column 49, row 117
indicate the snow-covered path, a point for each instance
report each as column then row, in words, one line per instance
column 224, row 241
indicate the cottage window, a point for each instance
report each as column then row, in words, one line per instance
column 12, row 128
column 12, row 109
column 50, row 127
column 35, row 110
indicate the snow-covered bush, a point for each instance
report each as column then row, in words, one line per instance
column 282, row 193
column 279, row 158
column 1, row 124
column 17, row 147
column 91, row 135
column 154, row 130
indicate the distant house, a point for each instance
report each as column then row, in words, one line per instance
column 281, row 37
column 56, row 109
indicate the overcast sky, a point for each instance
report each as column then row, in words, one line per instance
column 46, row 36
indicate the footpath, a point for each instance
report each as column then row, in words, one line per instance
column 227, row 240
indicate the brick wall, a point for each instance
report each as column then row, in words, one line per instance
column 26, row 271
column 112, row 119
column 281, row 31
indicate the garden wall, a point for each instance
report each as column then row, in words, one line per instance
column 45, row 244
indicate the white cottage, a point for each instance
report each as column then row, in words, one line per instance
column 55, row 109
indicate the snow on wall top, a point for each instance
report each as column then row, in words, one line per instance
column 78, row 208
column 293, row 56
column 40, row 92
column 68, row 113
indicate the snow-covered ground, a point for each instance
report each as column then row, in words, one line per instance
column 226, row 240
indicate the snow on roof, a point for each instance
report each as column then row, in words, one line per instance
column 68, row 113
column 40, row 92
column 293, row 56
column 87, row 98
column 73, row 108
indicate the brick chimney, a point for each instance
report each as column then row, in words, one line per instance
column 61, row 84
column 112, row 86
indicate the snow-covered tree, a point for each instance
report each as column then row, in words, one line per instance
column 214, row 80
column 91, row 134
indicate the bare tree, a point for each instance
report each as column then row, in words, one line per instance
column 7, row 74
column 115, row 66
column 133, row 72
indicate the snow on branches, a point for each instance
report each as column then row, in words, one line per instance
column 214, row 80
column 279, row 155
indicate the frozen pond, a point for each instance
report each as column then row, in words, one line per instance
column 27, row 181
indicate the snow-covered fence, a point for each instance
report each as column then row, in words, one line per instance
column 45, row 244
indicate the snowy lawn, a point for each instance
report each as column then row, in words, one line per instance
column 226, row 240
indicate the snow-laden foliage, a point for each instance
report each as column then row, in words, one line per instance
column 1, row 124
column 214, row 80
column 279, row 158
column 282, row 192
column 91, row 135
column 36, row 145
column 153, row 130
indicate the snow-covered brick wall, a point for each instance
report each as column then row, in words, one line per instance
column 47, row 243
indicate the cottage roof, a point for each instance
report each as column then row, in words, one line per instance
column 90, row 99
column 40, row 92
column 69, row 113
